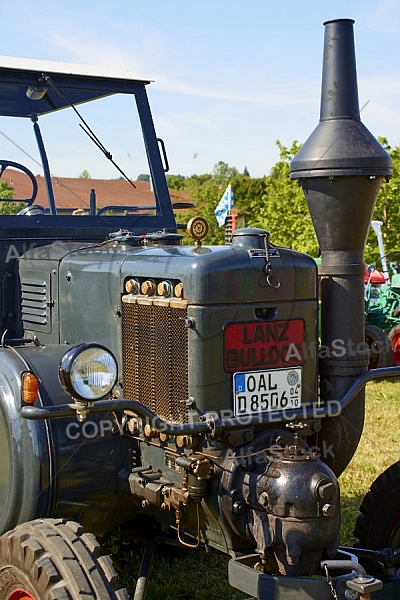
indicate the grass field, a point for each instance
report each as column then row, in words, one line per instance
column 378, row 449
column 201, row 576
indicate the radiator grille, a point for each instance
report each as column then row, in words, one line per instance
column 35, row 304
column 155, row 356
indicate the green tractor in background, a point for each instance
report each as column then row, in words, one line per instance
column 382, row 306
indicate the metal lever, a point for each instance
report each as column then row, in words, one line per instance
column 272, row 279
column 362, row 584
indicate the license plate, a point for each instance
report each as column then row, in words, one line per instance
column 266, row 391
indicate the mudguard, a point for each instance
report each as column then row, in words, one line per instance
column 25, row 458
column 58, row 468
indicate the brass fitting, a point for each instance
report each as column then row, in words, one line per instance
column 150, row 432
column 148, row 288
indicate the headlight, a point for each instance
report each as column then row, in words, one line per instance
column 88, row 372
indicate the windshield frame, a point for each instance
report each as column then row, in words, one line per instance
column 16, row 77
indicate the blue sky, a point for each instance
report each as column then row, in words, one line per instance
column 229, row 78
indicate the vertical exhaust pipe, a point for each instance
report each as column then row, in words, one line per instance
column 340, row 169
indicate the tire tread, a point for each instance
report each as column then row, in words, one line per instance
column 380, row 505
column 60, row 560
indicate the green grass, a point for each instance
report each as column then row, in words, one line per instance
column 191, row 575
column 378, row 449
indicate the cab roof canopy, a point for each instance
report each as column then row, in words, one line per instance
column 31, row 88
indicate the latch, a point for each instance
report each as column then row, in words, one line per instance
column 363, row 584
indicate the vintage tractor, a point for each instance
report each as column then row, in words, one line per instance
column 179, row 392
column 382, row 305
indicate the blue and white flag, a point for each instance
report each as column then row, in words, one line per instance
column 224, row 206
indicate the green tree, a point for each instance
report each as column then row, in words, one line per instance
column 6, row 193
column 223, row 173
column 282, row 209
column 274, row 203
column 248, row 193
column 387, row 209
column 277, row 204
column 206, row 191
column 143, row 177
column 176, row 182
column 84, row 175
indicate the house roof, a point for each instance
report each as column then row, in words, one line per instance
column 74, row 193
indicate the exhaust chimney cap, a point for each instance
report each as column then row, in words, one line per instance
column 340, row 144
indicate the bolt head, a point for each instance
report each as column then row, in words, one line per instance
column 329, row 510
column 325, row 490
column 351, row 595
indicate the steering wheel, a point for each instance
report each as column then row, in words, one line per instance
column 8, row 163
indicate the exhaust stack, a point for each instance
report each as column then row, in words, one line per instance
column 340, row 168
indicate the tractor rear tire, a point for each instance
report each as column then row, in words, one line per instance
column 378, row 524
column 394, row 338
column 52, row 559
column 379, row 344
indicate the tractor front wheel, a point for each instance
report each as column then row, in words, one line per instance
column 52, row 559
column 378, row 524
column 394, row 338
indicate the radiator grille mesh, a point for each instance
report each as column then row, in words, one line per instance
column 155, row 358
